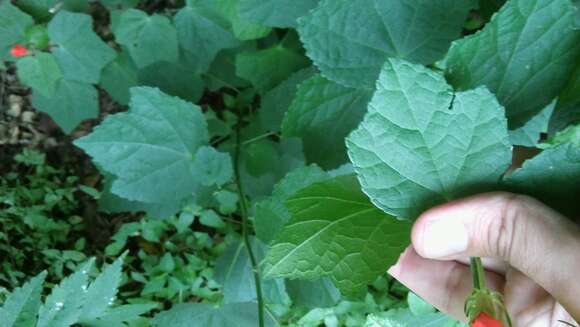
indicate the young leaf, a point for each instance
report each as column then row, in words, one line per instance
column 39, row 72
column 263, row 68
column 71, row 103
column 275, row 13
column 63, row 306
column 149, row 39
column 102, row 292
column 13, row 25
column 80, row 53
column 202, row 36
column 349, row 40
column 271, row 214
column 151, row 147
column 322, row 114
column 524, row 56
column 552, row 177
column 420, row 145
column 21, row 306
column 201, row 314
column 336, row 231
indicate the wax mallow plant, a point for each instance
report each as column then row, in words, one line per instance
column 338, row 123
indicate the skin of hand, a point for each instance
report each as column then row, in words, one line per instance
column 531, row 255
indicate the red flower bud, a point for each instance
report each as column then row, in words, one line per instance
column 18, row 51
column 483, row 320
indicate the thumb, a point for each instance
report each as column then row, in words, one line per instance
column 531, row 237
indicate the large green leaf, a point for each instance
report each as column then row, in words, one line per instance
column 13, row 25
column 21, row 306
column 336, row 231
column 322, row 114
column 349, row 40
column 276, row 102
column 151, row 148
column 202, row 36
column 264, row 69
column 524, row 56
column 39, row 72
column 552, row 176
column 149, row 39
column 421, row 145
column 275, row 13
column 80, row 53
column 206, row 315
column 118, row 77
column 71, row 103
column 271, row 214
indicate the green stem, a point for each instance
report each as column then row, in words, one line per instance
column 245, row 234
column 477, row 273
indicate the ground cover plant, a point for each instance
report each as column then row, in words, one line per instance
column 262, row 162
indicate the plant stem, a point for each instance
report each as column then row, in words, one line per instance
column 477, row 273
column 245, row 234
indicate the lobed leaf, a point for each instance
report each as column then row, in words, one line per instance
column 421, row 145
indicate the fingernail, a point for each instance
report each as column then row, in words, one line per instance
column 444, row 237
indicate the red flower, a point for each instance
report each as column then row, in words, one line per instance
column 18, row 51
column 483, row 320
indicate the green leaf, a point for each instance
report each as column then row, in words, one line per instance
column 216, row 167
column 80, row 53
column 102, row 291
column 276, row 102
column 227, row 201
column 457, row 143
column 319, row 293
column 13, row 25
column 234, row 273
column 263, row 69
column 569, row 135
column 206, row 315
column 271, row 214
column 202, row 36
column 118, row 77
column 124, row 313
column 111, row 203
column 418, row 306
column 336, row 231
column 39, row 72
column 211, row 219
column 71, row 103
column 529, row 134
column 149, row 39
column 349, row 40
column 559, row 165
column 404, row 318
column 524, row 56
column 322, row 114
column 63, row 306
column 175, row 79
column 21, row 306
column 275, row 13
column 151, row 147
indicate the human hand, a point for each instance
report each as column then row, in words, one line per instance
column 531, row 254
